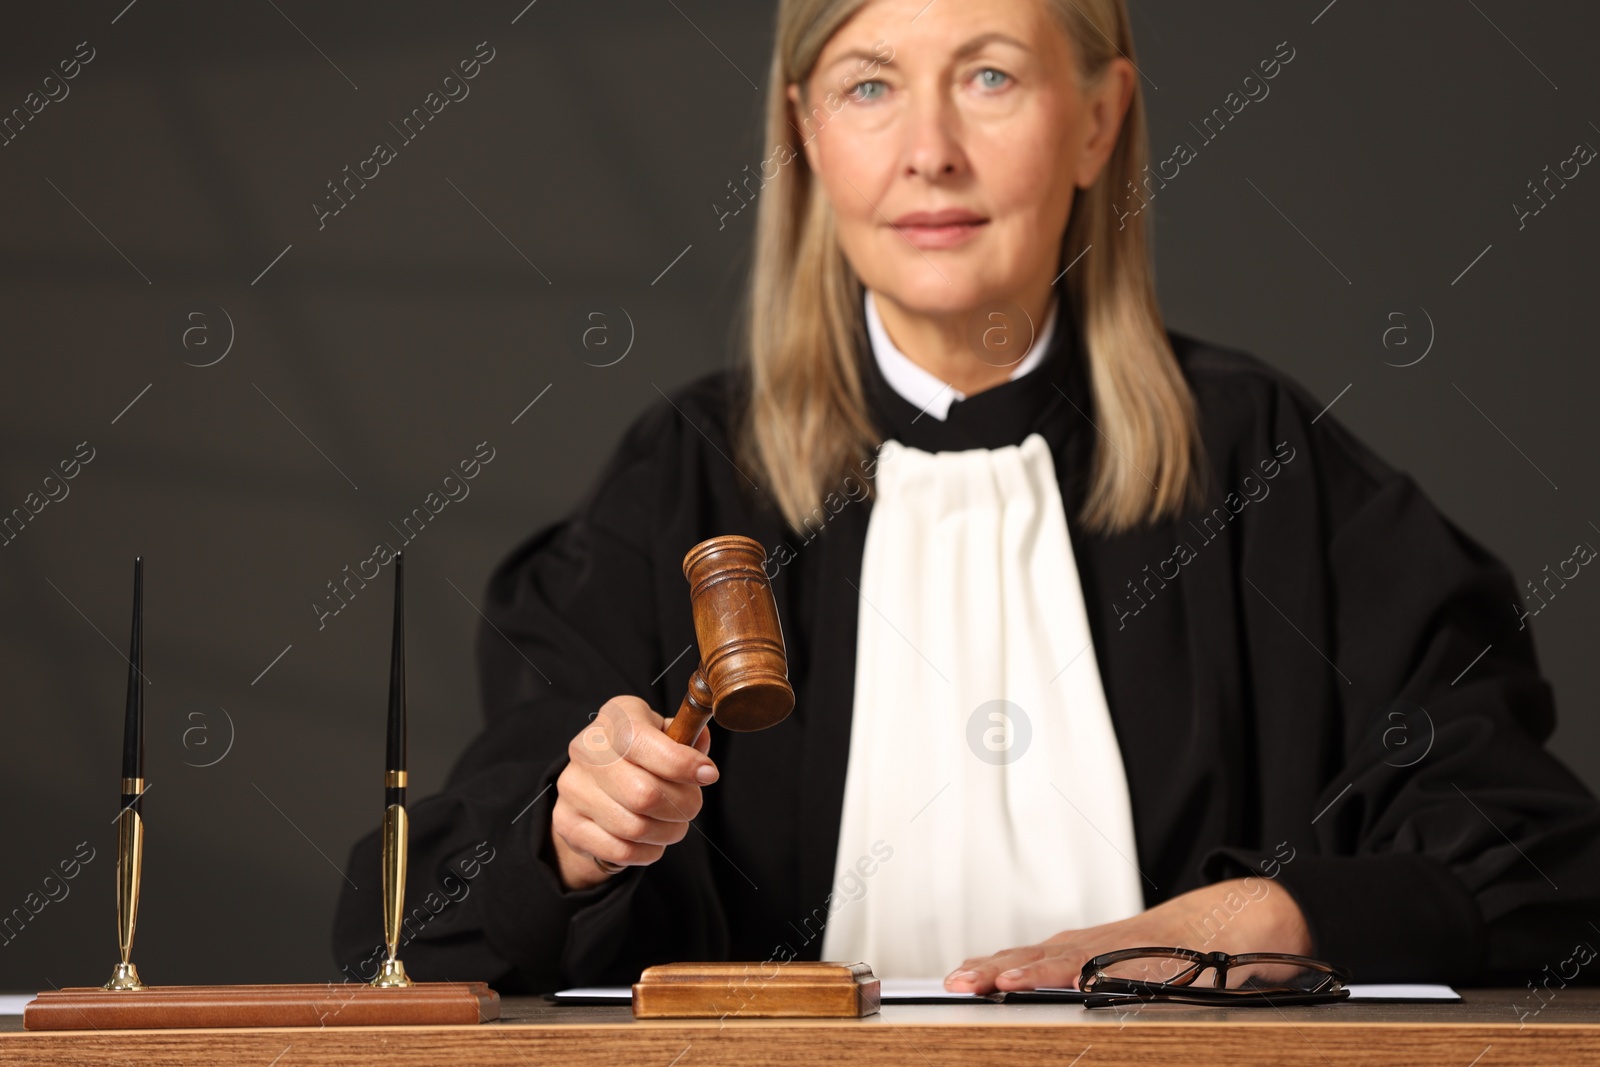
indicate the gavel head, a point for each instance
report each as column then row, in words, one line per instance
column 741, row 641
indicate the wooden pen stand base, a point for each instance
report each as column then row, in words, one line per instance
column 315, row 1004
column 800, row 989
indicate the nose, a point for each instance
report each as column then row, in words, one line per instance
column 933, row 143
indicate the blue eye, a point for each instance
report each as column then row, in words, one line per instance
column 867, row 90
column 990, row 78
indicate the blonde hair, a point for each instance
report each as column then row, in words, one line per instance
column 806, row 425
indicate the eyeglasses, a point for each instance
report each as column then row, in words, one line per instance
column 1170, row 974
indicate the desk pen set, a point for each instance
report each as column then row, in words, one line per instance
column 741, row 683
column 126, row 1002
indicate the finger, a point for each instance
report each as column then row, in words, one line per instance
column 630, row 824
column 586, row 837
column 591, row 794
column 611, row 730
column 697, row 766
column 626, row 789
column 644, row 793
column 631, row 707
column 625, row 727
column 1005, row 958
column 1038, row 947
column 978, row 974
column 641, row 739
column 1055, row 972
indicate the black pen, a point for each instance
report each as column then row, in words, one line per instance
column 395, row 825
column 395, row 763
column 130, row 819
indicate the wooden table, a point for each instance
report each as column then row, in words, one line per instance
column 1482, row 1032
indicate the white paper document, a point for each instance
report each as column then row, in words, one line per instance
column 889, row 989
column 12, row 1003
column 1402, row 992
column 902, row 989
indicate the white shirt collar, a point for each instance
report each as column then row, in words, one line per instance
column 922, row 388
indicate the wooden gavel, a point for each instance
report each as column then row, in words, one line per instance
column 743, row 677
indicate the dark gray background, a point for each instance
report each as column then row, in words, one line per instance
column 427, row 315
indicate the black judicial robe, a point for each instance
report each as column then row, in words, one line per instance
column 1283, row 665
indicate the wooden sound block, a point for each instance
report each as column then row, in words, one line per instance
column 201, row 1006
column 755, row 990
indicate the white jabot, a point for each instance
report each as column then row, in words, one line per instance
column 924, row 389
column 985, row 801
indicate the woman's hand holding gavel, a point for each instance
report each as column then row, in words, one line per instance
column 632, row 780
column 628, row 792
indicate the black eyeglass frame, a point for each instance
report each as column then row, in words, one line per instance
column 1108, row 991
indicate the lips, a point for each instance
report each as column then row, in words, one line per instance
column 939, row 229
column 952, row 216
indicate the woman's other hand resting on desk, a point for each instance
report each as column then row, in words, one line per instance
column 628, row 792
column 1241, row 915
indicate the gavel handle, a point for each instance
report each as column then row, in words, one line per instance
column 693, row 712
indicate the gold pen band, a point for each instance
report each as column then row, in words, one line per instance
column 132, row 786
column 394, row 779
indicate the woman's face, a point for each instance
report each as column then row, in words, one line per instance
column 950, row 138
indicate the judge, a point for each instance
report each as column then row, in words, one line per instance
column 1102, row 636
